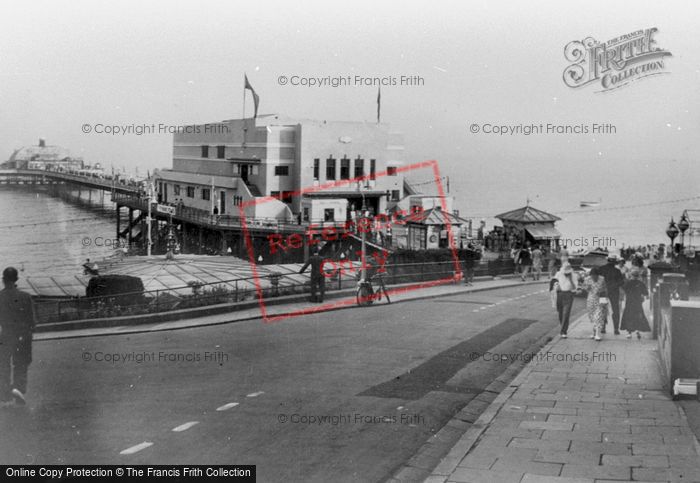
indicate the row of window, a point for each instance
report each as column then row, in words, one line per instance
column 205, row 194
column 284, row 196
column 345, row 168
column 220, row 151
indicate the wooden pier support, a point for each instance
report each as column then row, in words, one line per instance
column 129, row 234
column 119, row 208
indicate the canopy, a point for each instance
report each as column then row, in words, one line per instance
column 543, row 232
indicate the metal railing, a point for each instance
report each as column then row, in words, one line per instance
column 339, row 276
column 205, row 217
column 104, row 183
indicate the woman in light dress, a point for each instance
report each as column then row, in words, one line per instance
column 596, row 301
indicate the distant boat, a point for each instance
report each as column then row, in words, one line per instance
column 588, row 204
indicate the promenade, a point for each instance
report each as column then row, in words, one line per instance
column 580, row 411
column 604, row 417
column 282, row 310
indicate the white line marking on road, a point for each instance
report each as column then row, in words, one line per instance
column 137, row 448
column 475, row 310
column 227, row 406
column 185, row 427
column 255, row 394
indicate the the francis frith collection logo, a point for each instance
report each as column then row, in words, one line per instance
column 615, row 63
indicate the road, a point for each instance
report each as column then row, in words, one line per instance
column 347, row 395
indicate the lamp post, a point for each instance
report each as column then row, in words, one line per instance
column 672, row 232
column 683, row 226
column 362, row 225
column 149, row 199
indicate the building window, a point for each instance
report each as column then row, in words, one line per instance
column 190, row 191
column 359, row 167
column 372, row 169
column 205, row 151
column 281, row 170
column 221, row 152
column 395, row 195
column 317, row 164
column 330, row 168
column 237, row 200
column 176, row 189
column 391, row 170
column 329, row 214
column 206, row 194
column 287, row 196
column 306, row 214
column 275, row 194
column 345, row 168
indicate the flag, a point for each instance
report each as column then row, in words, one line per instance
column 256, row 98
column 379, row 102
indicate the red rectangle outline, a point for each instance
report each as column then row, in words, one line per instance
column 350, row 301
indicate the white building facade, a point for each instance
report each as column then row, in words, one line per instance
column 219, row 166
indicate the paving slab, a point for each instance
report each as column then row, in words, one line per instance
column 599, row 419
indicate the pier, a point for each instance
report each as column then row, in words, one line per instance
column 197, row 231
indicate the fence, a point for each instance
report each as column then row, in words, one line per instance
column 339, row 276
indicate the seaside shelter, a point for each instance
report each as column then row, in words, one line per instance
column 429, row 229
column 532, row 225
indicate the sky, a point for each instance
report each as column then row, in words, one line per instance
column 66, row 64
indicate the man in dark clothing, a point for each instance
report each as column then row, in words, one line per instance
column 524, row 258
column 471, row 255
column 614, row 281
column 318, row 280
column 16, row 325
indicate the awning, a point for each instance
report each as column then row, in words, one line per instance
column 543, row 232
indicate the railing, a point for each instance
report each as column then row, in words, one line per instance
column 103, row 183
column 339, row 276
column 205, row 217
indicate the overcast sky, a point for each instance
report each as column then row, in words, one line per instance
column 65, row 64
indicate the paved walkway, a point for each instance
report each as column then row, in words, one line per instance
column 289, row 308
column 601, row 415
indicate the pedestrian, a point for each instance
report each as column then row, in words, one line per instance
column 471, row 255
column 16, row 327
column 564, row 255
column 566, row 285
column 536, row 263
column 622, row 266
column 525, row 261
column 637, row 261
column 552, row 259
column 633, row 318
column 597, row 301
column 318, row 279
column 614, row 281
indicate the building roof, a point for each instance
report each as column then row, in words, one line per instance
column 198, row 179
column 435, row 216
column 41, row 153
column 528, row 214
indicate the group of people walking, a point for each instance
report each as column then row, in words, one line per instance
column 606, row 288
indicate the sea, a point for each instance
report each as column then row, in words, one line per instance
column 42, row 235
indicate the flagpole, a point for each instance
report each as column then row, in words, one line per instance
column 243, row 116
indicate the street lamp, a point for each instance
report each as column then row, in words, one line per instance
column 672, row 232
column 362, row 226
column 683, row 225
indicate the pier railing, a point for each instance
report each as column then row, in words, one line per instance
column 339, row 276
column 198, row 216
